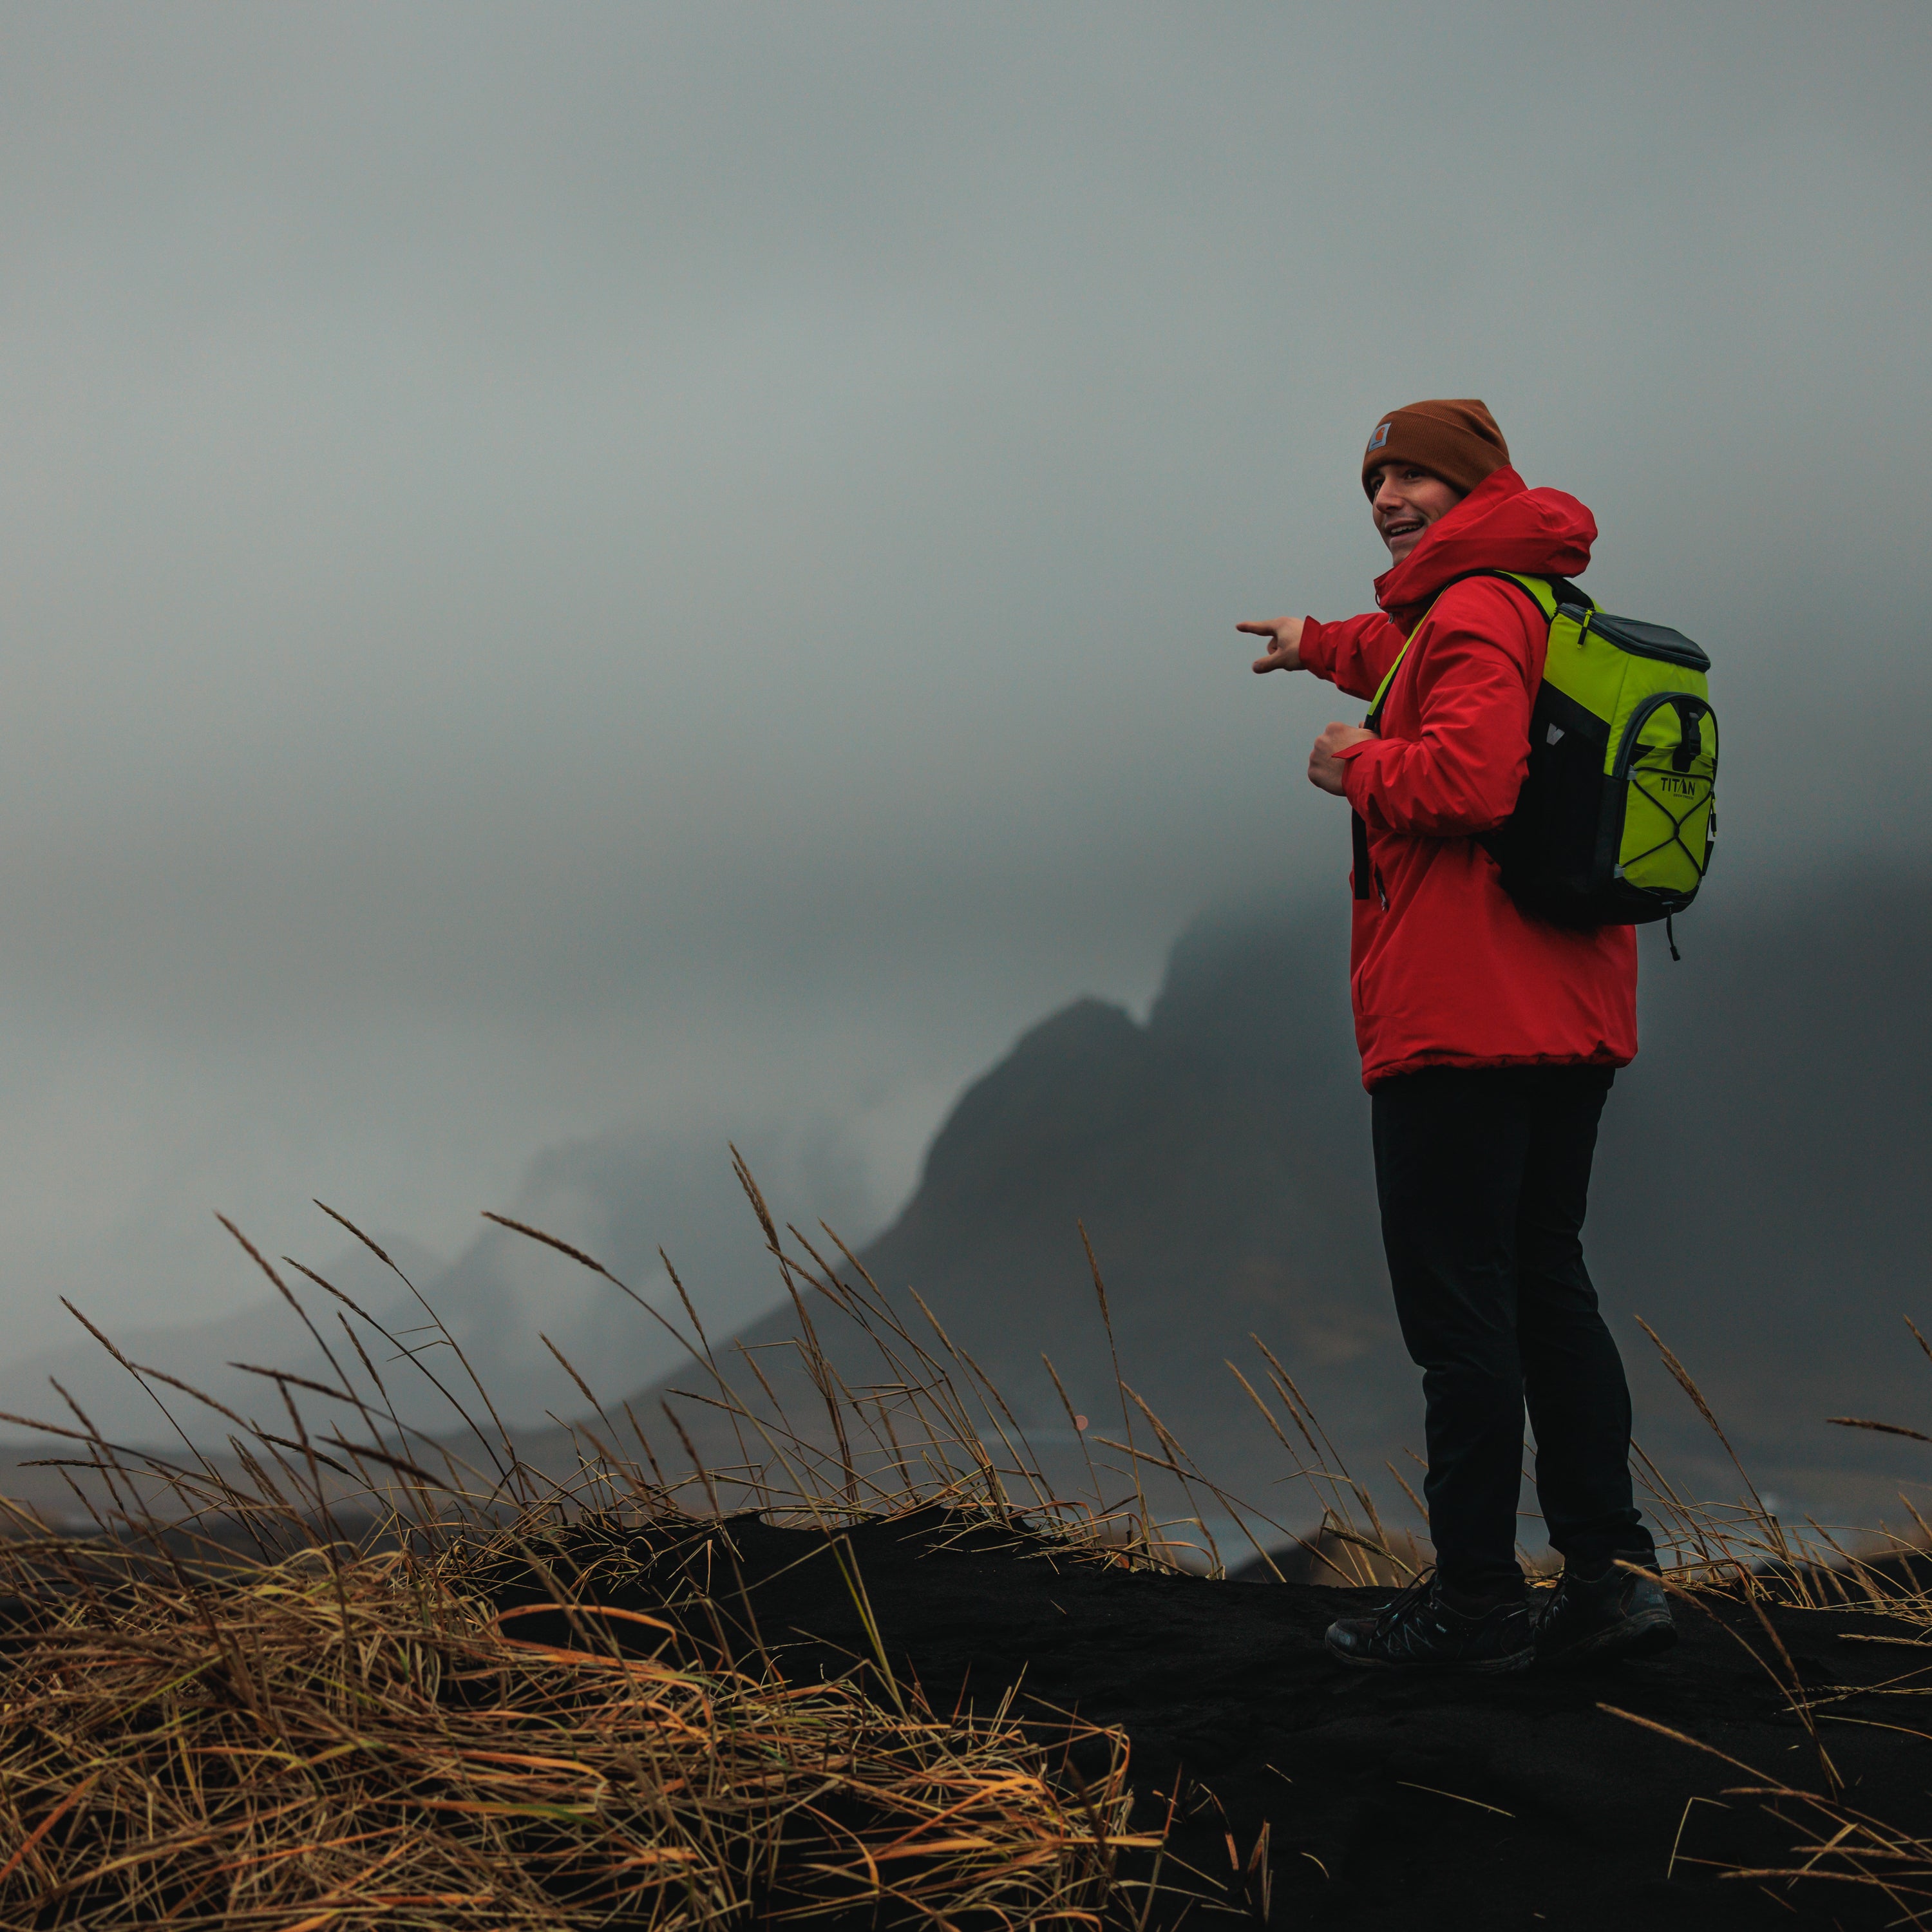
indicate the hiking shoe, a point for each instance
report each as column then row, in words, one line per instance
column 1588, row 1620
column 1417, row 1629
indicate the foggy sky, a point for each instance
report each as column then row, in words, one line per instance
column 602, row 569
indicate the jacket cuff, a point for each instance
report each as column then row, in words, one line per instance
column 1317, row 653
column 1359, row 765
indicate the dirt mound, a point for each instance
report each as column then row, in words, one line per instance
column 1384, row 1802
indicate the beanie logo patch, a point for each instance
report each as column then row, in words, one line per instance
column 1381, row 435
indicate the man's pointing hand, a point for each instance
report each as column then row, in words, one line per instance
column 1284, row 636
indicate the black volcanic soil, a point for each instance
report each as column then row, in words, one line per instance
column 1392, row 1801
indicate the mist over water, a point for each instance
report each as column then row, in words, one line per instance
column 581, row 587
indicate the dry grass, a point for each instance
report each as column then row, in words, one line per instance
column 367, row 1742
column 275, row 1690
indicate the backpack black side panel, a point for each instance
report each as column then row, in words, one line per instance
column 1558, row 815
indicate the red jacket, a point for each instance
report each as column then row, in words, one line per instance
column 1446, row 970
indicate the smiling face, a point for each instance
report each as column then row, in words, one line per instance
column 1404, row 501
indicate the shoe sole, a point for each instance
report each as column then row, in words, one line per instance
column 1649, row 1634
column 1486, row 1666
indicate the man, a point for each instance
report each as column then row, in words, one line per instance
column 1489, row 1038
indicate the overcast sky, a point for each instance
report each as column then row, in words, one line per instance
column 585, row 569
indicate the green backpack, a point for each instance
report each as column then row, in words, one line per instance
column 1617, row 816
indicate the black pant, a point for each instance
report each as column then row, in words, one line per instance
column 1484, row 1175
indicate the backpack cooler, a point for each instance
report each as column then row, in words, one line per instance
column 1617, row 817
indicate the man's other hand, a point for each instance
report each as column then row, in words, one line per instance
column 1325, row 767
column 1284, row 636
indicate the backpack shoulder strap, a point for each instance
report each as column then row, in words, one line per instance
column 1548, row 593
column 1382, row 689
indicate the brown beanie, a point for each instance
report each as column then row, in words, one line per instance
column 1455, row 438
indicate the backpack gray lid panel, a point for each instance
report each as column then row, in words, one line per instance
column 1651, row 640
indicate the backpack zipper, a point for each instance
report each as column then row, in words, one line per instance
column 1699, row 710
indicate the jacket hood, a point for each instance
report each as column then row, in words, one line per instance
column 1501, row 524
